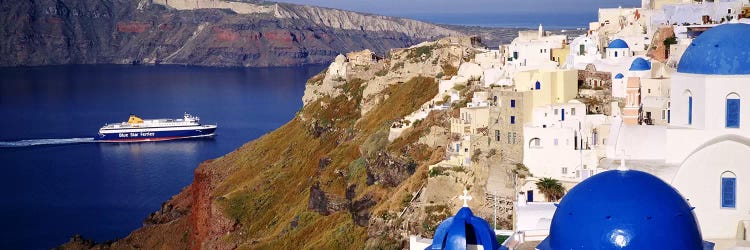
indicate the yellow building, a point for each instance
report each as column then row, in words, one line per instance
column 560, row 55
column 548, row 86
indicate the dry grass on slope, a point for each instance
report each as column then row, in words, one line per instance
column 267, row 196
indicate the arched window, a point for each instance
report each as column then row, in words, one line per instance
column 728, row 190
column 615, row 53
column 733, row 111
column 538, row 85
column 535, row 143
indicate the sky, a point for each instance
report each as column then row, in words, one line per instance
column 408, row 8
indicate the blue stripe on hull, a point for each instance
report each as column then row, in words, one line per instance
column 155, row 135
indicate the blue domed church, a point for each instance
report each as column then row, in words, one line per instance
column 708, row 138
column 624, row 209
column 464, row 231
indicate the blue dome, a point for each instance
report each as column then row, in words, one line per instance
column 463, row 229
column 623, row 210
column 640, row 64
column 722, row 50
column 619, row 76
column 618, row 44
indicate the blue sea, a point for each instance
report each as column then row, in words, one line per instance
column 58, row 183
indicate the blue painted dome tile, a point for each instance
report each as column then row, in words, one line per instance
column 464, row 229
column 722, row 50
column 623, row 210
column 640, row 64
column 618, row 44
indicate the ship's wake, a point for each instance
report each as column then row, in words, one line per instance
column 41, row 142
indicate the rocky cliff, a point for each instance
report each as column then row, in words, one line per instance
column 328, row 179
column 195, row 32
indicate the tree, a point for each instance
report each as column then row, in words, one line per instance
column 668, row 43
column 551, row 188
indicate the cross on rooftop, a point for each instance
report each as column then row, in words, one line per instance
column 466, row 197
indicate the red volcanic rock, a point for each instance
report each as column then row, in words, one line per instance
column 279, row 37
column 132, row 27
column 251, row 35
column 225, row 35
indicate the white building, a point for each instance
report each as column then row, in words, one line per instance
column 618, row 49
column 695, row 13
column 563, row 142
column 583, row 51
column 533, row 50
column 709, row 133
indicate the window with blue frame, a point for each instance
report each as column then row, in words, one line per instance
column 538, row 85
column 733, row 111
column 512, row 119
column 728, row 190
column 512, row 103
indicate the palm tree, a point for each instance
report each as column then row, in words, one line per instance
column 551, row 188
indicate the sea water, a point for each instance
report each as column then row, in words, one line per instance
column 57, row 182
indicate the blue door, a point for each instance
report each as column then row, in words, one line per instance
column 530, row 196
column 563, row 114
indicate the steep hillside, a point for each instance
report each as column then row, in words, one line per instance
column 195, row 32
column 319, row 181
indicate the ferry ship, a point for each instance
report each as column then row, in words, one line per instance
column 137, row 129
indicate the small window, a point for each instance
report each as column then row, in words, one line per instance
column 497, row 135
column 649, row 91
column 733, row 111
column 512, row 119
column 508, row 137
column 535, row 143
column 514, row 138
column 538, row 85
column 663, row 114
column 555, row 141
column 728, row 190
column 564, row 170
column 466, row 150
column 512, row 103
column 572, row 111
column 556, row 112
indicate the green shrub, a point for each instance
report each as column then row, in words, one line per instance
column 417, row 53
column 406, row 199
column 356, row 168
column 398, row 65
column 382, row 72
